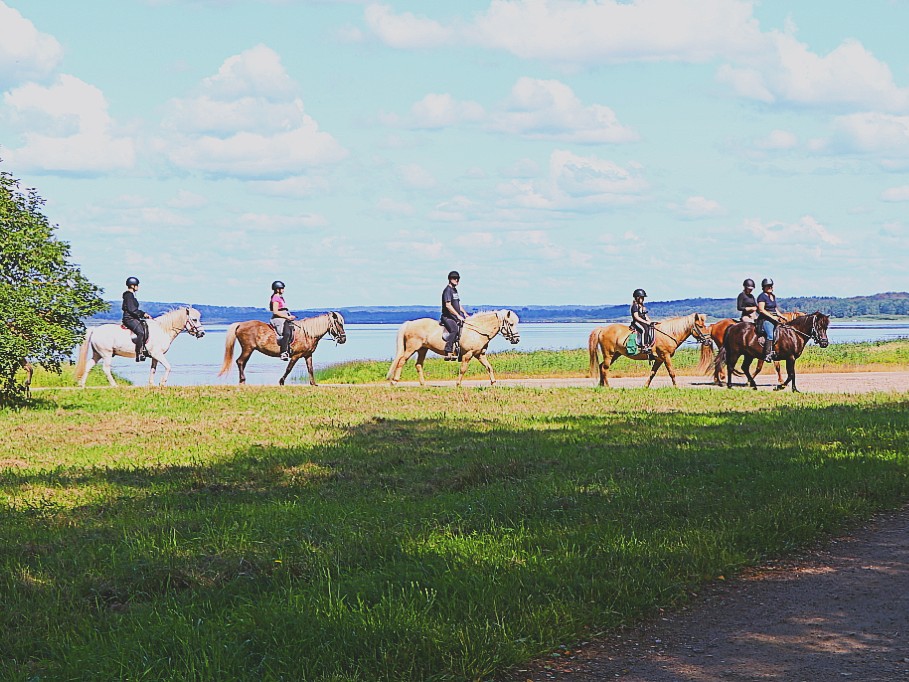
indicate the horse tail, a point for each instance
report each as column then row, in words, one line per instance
column 720, row 362
column 82, row 361
column 708, row 356
column 229, row 348
column 399, row 351
column 593, row 346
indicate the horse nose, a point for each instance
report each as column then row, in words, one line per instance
column 201, row 334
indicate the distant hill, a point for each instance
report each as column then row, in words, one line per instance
column 890, row 303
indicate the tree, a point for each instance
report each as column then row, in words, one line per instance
column 43, row 297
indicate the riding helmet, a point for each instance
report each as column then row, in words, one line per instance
column 766, row 282
column 277, row 284
column 748, row 283
column 132, row 281
column 454, row 274
column 639, row 293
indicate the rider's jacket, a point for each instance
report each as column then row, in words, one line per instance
column 450, row 295
column 130, row 307
column 769, row 301
column 641, row 310
column 746, row 300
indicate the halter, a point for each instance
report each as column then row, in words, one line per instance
column 813, row 335
column 334, row 331
column 695, row 331
column 191, row 327
column 505, row 327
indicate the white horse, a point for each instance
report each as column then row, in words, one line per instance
column 423, row 335
column 108, row 340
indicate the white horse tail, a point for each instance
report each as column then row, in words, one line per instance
column 229, row 348
column 593, row 345
column 399, row 351
column 83, row 354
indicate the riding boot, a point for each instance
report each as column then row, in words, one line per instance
column 140, row 353
column 768, row 350
column 285, row 354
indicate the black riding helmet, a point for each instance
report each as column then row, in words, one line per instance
column 132, row 281
column 766, row 282
column 277, row 284
column 639, row 293
column 748, row 283
column 454, row 274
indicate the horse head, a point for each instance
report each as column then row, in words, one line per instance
column 819, row 325
column 336, row 327
column 193, row 323
column 700, row 330
column 509, row 320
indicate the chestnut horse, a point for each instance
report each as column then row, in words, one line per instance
column 610, row 341
column 254, row 335
column 791, row 338
column 424, row 335
column 717, row 332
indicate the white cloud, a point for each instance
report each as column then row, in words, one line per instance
column 271, row 222
column 788, row 71
column 188, row 200
column 25, row 53
column 67, row 129
column 458, row 209
column 392, row 208
column 436, row 111
column 806, row 232
column 778, row 140
column 698, row 207
column 586, row 32
column 246, row 121
column 549, row 109
column 298, row 186
column 871, row 133
column 405, row 30
column 896, row 193
column 415, row 176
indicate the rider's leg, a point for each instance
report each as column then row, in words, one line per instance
column 137, row 328
column 768, row 340
column 451, row 326
column 286, row 339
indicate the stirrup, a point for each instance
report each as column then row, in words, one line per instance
column 285, row 356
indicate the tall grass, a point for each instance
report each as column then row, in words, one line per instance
column 67, row 377
column 213, row 533
column 838, row 357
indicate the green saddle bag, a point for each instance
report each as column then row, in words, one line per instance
column 631, row 344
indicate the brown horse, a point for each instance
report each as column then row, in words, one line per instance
column 610, row 342
column 260, row 336
column 424, row 335
column 717, row 332
column 791, row 338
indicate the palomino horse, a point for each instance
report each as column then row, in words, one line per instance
column 424, row 335
column 261, row 336
column 610, row 342
column 742, row 339
column 717, row 332
column 112, row 339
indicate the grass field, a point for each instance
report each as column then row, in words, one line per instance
column 838, row 357
column 44, row 379
column 367, row 533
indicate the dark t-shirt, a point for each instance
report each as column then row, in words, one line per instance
column 745, row 301
column 450, row 295
column 640, row 309
column 769, row 301
column 131, row 307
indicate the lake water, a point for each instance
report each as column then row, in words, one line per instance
column 197, row 361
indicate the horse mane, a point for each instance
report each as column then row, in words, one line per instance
column 167, row 319
column 313, row 326
column 677, row 325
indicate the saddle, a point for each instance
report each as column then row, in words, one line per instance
column 456, row 346
column 279, row 335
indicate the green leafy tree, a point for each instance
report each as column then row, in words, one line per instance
column 43, row 297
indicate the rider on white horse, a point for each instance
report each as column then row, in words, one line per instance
column 133, row 317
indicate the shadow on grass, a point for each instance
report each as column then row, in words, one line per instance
column 414, row 549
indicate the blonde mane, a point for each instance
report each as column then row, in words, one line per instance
column 676, row 326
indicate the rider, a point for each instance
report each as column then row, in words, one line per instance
column 453, row 315
column 769, row 313
column 281, row 318
column 133, row 317
column 746, row 303
column 640, row 321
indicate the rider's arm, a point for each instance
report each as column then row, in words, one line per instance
column 450, row 308
column 280, row 313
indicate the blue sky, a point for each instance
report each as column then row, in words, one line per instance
column 552, row 151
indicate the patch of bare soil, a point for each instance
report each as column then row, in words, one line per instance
column 837, row 613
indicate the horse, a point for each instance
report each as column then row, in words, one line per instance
column 108, row 340
column 610, row 342
column 717, row 332
column 424, row 335
column 254, row 335
column 742, row 339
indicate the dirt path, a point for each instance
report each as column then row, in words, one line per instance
column 833, row 382
column 838, row 613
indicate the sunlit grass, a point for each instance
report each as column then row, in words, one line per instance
column 367, row 533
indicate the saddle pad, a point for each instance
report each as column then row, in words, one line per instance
column 631, row 344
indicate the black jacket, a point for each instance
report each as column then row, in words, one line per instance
column 131, row 309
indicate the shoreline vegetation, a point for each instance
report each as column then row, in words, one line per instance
column 212, row 533
column 869, row 356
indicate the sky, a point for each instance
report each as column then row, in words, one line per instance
column 552, row 151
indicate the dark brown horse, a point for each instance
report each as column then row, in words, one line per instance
column 260, row 336
column 717, row 332
column 791, row 338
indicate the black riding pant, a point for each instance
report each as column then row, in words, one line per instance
column 646, row 331
column 138, row 328
column 453, row 327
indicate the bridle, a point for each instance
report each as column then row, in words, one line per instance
column 813, row 335
column 192, row 327
column 695, row 331
column 506, row 328
column 335, row 331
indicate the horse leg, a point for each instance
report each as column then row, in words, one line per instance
column 89, row 363
column 465, row 361
column 105, row 364
column 746, row 365
column 290, row 367
column 656, row 365
column 668, row 363
column 481, row 358
column 421, row 358
column 151, row 372
column 166, row 364
column 312, row 375
column 242, row 360
column 604, row 367
column 779, row 375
